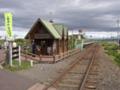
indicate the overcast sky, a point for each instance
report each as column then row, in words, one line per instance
column 98, row 15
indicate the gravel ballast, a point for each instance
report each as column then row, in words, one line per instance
column 43, row 72
column 109, row 72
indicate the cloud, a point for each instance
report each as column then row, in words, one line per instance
column 95, row 34
column 89, row 14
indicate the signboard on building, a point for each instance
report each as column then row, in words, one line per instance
column 42, row 36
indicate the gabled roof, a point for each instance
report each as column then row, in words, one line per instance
column 56, row 30
column 51, row 29
column 60, row 28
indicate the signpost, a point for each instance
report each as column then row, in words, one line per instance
column 9, row 33
column 8, row 25
column 13, row 52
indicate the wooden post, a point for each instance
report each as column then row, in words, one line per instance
column 40, row 57
column 67, row 41
column 52, row 48
column 54, row 59
column 25, row 54
column 58, row 46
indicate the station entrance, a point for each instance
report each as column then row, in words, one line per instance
column 44, row 46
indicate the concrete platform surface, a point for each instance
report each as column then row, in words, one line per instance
column 12, row 81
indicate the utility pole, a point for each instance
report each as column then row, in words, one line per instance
column 118, row 25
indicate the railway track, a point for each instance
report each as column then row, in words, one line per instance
column 80, row 74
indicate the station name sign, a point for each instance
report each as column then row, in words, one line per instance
column 42, row 36
column 8, row 24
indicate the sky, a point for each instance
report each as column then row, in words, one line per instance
column 89, row 15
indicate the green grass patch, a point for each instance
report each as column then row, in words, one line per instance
column 16, row 67
column 113, row 50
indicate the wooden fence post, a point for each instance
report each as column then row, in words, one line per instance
column 54, row 59
column 25, row 54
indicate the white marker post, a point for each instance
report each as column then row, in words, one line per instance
column 82, row 43
column 19, row 48
column 31, row 63
column 10, row 54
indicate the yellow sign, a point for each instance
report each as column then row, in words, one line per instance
column 8, row 24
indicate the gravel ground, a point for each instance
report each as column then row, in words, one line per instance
column 12, row 81
column 109, row 76
column 43, row 72
column 2, row 55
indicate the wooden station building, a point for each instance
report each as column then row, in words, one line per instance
column 49, row 37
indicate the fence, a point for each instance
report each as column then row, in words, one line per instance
column 48, row 59
column 14, row 53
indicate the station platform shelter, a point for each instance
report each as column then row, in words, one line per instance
column 50, row 38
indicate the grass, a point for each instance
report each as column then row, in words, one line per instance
column 16, row 67
column 113, row 50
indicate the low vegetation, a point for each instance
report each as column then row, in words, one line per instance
column 16, row 67
column 22, row 42
column 113, row 50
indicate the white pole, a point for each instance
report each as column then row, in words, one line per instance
column 31, row 63
column 10, row 54
column 72, row 40
column 82, row 41
column 19, row 56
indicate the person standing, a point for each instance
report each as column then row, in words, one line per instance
column 49, row 50
column 33, row 48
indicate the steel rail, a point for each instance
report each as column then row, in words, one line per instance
column 68, row 69
column 88, row 70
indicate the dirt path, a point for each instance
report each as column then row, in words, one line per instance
column 109, row 76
